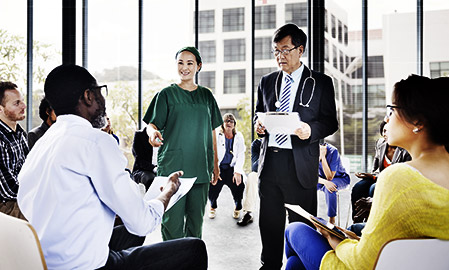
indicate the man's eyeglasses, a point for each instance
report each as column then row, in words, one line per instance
column 390, row 110
column 229, row 121
column 284, row 51
column 103, row 89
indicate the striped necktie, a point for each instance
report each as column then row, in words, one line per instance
column 285, row 106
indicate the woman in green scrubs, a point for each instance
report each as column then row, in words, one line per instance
column 181, row 122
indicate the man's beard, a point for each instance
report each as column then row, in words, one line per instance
column 100, row 120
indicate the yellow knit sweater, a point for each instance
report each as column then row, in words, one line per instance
column 405, row 205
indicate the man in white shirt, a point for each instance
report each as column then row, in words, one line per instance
column 74, row 183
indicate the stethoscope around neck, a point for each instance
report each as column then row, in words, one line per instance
column 277, row 104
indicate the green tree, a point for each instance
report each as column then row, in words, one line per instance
column 122, row 109
column 244, row 126
column 13, row 52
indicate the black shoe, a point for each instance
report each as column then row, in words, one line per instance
column 247, row 219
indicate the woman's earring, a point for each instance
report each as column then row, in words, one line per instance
column 415, row 130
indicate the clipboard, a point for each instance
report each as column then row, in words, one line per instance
column 328, row 227
column 323, row 224
column 280, row 122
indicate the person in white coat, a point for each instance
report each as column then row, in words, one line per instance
column 231, row 156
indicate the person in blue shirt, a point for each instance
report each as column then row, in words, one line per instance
column 332, row 177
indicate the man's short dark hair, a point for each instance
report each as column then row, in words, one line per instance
column 44, row 107
column 6, row 86
column 297, row 35
column 64, row 86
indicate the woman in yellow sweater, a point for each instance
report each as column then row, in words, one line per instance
column 411, row 199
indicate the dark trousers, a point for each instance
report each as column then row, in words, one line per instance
column 11, row 208
column 359, row 190
column 126, row 252
column 278, row 185
column 144, row 177
column 226, row 179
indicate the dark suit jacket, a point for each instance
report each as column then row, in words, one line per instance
column 36, row 133
column 400, row 155
column 321, row 115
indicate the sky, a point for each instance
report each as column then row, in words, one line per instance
column 113, row 27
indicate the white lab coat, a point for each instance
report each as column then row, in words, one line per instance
column 239, row 148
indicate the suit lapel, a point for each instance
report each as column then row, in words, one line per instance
column 276, row 95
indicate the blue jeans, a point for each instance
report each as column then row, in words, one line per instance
column 304, row 247
column 331, row 197
column 126, row 252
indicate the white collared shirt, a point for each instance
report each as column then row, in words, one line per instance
column 72, row 185
column 296, row 77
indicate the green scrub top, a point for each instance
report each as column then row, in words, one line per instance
column 186, row 120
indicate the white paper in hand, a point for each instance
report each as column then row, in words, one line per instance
column 280, row 123
column 161, row 181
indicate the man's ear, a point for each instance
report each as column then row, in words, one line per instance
column 87, row 97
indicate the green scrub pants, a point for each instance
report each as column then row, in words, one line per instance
column 185, row 218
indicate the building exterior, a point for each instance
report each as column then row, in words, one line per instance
column 225, row 44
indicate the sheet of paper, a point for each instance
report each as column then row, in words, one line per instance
column 160, row 181
column 275, row 123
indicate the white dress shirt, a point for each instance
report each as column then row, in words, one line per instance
column 296, row 77
column 72, row 185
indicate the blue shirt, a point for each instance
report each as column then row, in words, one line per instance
column 228, row 154
column 334, row 161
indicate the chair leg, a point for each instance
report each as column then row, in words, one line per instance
column 338, row 207
column 349, row 214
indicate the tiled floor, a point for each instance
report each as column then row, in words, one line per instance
column 231, row 247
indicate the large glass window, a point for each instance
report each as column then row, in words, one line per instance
column 207, row 50
column 375, row 68
column 265, row 17
column 259, row 73
column 340, row 32
column 233, row 19
column 234, row 81
column 439, row 69
column 326, row 50
column 333, row 26
column 326, row 20
column 262, row 48
column 234, row 50
column 207, row 79
column 296, row 13
column 334, row 56
column 345, row 34
column 342, row 62
column 206, row 21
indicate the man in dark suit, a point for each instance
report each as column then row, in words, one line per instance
column 288, row 164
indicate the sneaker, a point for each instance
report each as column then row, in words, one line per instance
column 236, row 214
column 247, row 219
column 212, row 213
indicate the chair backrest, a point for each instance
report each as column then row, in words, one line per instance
column 346, row 162
column 20, row 248
column 414, row 254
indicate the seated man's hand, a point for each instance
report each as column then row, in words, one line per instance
column 173, row 182
column 362, row 209
column 365, row 175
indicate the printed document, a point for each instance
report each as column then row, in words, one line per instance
column 161, row 181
